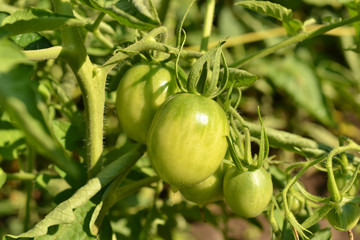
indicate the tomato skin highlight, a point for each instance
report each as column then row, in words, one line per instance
column 247, row 193
column 187, row 139
column 207, row 191
column 344, row 217
column 141, row 91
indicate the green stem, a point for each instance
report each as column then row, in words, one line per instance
column 29, row 188
column 92, row 84
column 98, row 20
column 248, row 156
column 163, row 9
column 334, row 190
column 23, row 176
column 295, row 39
column 43, row 54
column 96, row 30
column 208, row 22
column 145, row 44
column 282, row 139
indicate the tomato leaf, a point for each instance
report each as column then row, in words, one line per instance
column 64, row 214
column 267, row 8
column 140, row 14
column 240, row 78
column 35, row 20
column 299, row 81
column 274, row 10
column 319, row 214
column 323, row 234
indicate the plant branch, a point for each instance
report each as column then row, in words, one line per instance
column 43, row 54
column 273, row 32
column 92, row 84
column 209, row 15
column 29, row 187
column 145, row 44
column 295, row 39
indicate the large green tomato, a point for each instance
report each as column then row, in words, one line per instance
column 247, row 193
column 345, row 216
column 207, row 191
column 141, row 91
column 187, row 139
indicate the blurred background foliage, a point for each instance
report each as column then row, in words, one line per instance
column 310, row 89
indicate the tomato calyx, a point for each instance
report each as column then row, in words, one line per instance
column 241, row 153
column 205, row 78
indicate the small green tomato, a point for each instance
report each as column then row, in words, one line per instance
column 209, row 190
column 247, row 193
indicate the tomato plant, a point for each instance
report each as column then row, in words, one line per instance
column 102, row 103
column 187, row 139
column 141, row 91
column 247, row 193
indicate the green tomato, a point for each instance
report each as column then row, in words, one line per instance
column 207, row 191
column 247, row 193
column 342, row 179
column 296, row 204
column 187, row 139
column 141, row 91
column 344, row 217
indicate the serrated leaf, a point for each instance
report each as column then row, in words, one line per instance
column 292, row 26
column 139, row 14
column 240, row 78
column 267, row 8
column 75, row 229
column 64, row 214
column 300, row 82
column 35, row 20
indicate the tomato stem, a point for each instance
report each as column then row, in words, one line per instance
column 209, row 15
column 248, row 156
column 92, row 84
column 43, row 54
column 333, row 189
column 295, row 39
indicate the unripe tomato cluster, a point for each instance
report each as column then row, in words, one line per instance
column 186, row 140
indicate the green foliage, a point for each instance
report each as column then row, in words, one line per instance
column 138, row 14
column 35, row 20
column 68, row 170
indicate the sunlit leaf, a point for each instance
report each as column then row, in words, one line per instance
column 240, row 78
column 267, row 8
column 35, row 20
column 299, row 81
column 139, row 14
